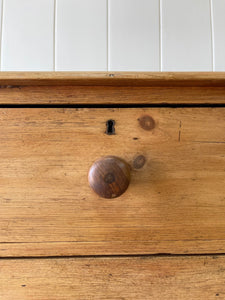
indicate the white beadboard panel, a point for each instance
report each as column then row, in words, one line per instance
column 186, row 35
column 1, row 2
column 218, row 17
column 134, row 43
column 28, row 35
column 81, row 35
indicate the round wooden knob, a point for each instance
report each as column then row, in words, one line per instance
column 109, row 176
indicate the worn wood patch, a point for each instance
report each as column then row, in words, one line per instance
column 113, row 278
column 174, row 204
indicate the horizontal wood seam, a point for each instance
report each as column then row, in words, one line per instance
column 144, row 256
column 135, row 105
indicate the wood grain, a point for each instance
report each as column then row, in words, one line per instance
column 174, row 204
column 113, row 278
column 109, row 95
column 176, row 79
column 104, row 88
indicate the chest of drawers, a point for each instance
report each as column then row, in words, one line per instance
column 163, row 191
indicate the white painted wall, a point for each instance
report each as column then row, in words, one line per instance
column 113, row 35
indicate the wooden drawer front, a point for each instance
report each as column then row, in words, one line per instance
column 174, row 204
column 199, row 277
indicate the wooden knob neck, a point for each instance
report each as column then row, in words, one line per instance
column 109, row 176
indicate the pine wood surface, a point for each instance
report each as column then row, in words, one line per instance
column 198, row 277
column 117, row 88
column 189, row 79
column 174, row 204
column 110, row 95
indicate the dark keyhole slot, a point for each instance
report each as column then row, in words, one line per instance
column 110, row 129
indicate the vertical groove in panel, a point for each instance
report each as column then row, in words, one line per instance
column 218, row 26
column 108, row 46
column 186, row 34
column 27, row 36
column 81, row 35
column 1, row 29
column 54, row 35
column 134, row 35
column 160, row 35
column 212, row 34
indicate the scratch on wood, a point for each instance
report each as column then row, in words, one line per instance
column 179, row 135
column 209, row 142
column 10, row 87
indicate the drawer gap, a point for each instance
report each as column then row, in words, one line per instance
column 136, row 105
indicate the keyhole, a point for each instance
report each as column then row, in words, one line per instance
column 110, row 129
